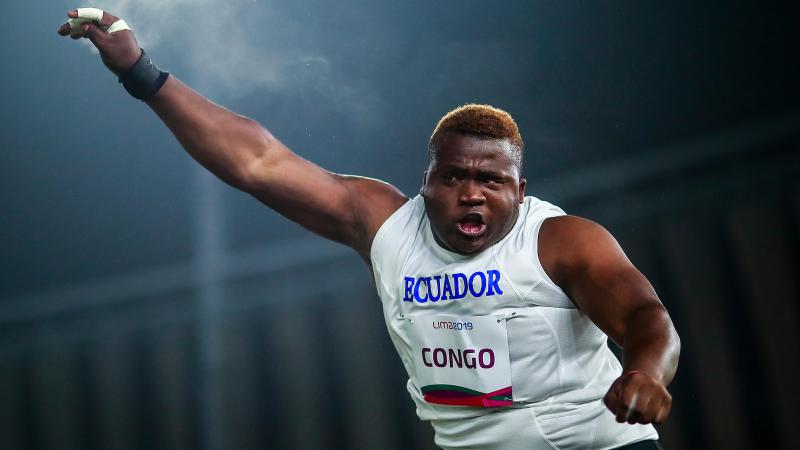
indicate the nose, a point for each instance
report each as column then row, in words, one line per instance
column 471, row 194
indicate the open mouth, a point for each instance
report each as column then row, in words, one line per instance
column 472, row 225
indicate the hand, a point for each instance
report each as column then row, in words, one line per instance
column 119, row 50
column 636, row 397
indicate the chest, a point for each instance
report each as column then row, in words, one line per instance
column 475, row 286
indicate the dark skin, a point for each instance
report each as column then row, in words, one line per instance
column 472, row 179
column 238, row 150
column 478, row 175
column 472, row 192
column 584, row 260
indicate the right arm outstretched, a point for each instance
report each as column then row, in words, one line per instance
column 244, row 154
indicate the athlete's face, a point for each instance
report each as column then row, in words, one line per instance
column 472, row 192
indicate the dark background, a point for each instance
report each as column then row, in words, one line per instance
column 145, row 304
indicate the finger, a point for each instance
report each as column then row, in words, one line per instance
column 663, row 412
column 80, row 16
column 635, row 417
column 64, row 29
column 612, row 398
column 103, row 18
column 631, row 408
column 643, row 412
column 612, row 401
column 96, row 35
column 628, row 402
column 108, row 19
column 90, row 14
column 119, row 25
column 75, row 27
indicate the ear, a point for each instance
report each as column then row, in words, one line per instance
column 424, row 180
column 522, row 190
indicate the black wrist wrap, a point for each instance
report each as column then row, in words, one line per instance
column 143, row 79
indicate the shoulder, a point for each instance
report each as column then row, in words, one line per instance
column 381, row 198
column 571, row 243
column 374, row 201
column 532, row 213
column 572, row 227
column 397, row 236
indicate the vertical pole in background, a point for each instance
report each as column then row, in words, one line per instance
column 209, row 249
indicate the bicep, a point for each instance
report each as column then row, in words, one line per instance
column 342, row 208
column 592, row 269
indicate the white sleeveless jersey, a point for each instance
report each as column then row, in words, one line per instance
column 555, row 353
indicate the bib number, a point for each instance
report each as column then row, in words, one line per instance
column 462, row 360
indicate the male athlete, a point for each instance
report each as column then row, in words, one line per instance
column 499, row 305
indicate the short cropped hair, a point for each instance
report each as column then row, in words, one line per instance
column 482, row 122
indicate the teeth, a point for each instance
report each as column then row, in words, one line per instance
column 471, row 228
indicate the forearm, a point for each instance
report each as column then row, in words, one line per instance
column 222, row 141
column 238, row 150
column 651, row 344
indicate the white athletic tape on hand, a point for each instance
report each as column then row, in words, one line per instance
column 118, row 26
column 91, row 14
column 75, row 26
column 85, row 15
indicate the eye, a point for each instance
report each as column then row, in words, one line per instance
column 449, row 178
column 492, row 179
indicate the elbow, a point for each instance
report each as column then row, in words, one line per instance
column 673, row 349
column 263, row 143
column 676, row 345
column 262, row 135
column 672, row 333
column 263, row 147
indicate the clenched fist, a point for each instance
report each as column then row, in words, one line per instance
column 118, row 48
column 636, row 397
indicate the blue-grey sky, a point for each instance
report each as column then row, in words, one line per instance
column 93, row 184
